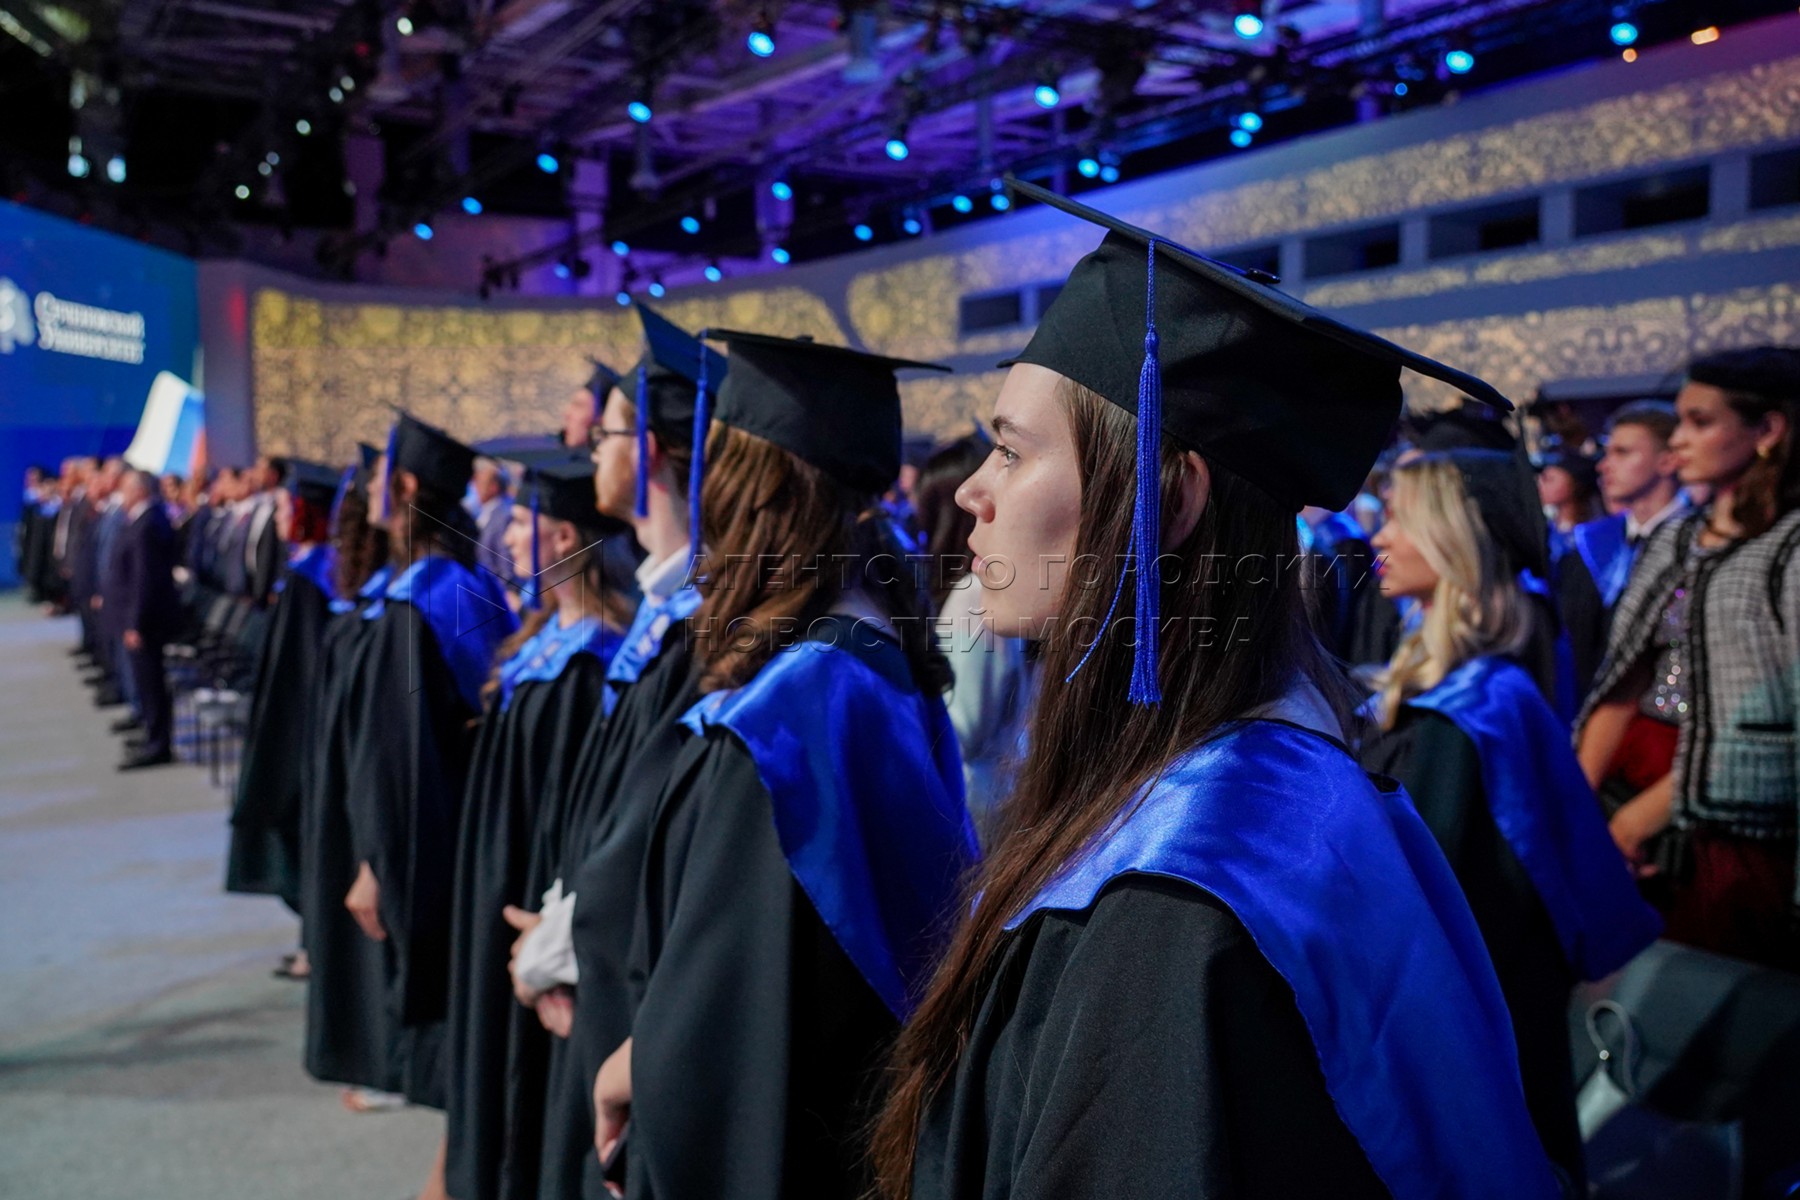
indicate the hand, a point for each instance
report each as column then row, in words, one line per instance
column 1634, row 825
column 364, row 900
column 556, row 1011
column 96, row 602
column 133, row 641
column 612, row 1099
column 524, row 922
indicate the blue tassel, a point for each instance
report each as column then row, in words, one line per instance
column 697, row 471
column 1146, row 521
column 643, row 442
column 393, row 433
column 534, row 594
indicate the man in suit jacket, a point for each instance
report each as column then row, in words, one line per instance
column 142, row 609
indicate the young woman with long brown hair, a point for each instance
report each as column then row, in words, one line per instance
column 1461, row 724
column 811, row 839
column 1207, row 956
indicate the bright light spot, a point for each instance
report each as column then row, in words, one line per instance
column 624, row 299
column 638, row 111
column 264, row 169
column 864, row 233
column 272, row 158
column 713, row 274
column 781, row 190
column 761, row 43
column 405, row 26
column 1241, row 138
column 78, row 166
column 422, row 231
column 962, row 204
column 560, row 270
column 1109, row 174
column 1089, row 168
column 1459, row 62
column 472, row 206
column 1000, row 201
column 1630, row 55
column 912, row 226
column 690, row 224
column 657, row 289
column 897, row 149
column 1704, row 37
column 1400, row 89
column 242, row 191
column 115, row 169
column 1250, row 122
column 621, row 249
column 781, row 256
column 1046, row 95
column 347, row 83
column 1248, row 25
column 1623, row 33
column 336, row 94
column 546, row 162
column 303, row 127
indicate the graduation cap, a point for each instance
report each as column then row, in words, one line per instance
column 833, row 407
column 1500, row 486
column 312, row 482
column 439, row 461
column 1292, row 400
column 676, row 365
column 1465, row 428
column 558, row 483
column 513, row 447
column 603, row 380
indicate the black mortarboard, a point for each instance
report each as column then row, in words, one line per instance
column 560, row 484
column 1584, row 470
column 675, row 366
column 603, row 380
column 366, row 457
column 1295, row 401
column 1465, row 428
column 831, row 406
column 1499, row 484
column 440, row 462
column 313, row 482
column 513, row 447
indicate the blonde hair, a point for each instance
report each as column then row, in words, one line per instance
column 1477, row 607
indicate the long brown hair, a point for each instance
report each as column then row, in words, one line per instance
column 359, row 546
column 1757, row 381
column 1257, row 646
column 943, row 524
column 784, row 540
column 432, row 521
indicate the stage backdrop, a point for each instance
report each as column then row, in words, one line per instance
column 87, row 320
column 1583, row 234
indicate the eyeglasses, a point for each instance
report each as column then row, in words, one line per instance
column 598, row 434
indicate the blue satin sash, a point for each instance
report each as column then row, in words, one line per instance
column 1348, row 896
column 316, row 563
column 550, row 650
column 466, row 610
column 644, row 639
column 1607, row 553
column 867, row 786
column 371, row 589
column 1547, row 813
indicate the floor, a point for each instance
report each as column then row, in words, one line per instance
column 146, row 1052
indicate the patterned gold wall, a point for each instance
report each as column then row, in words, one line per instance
column 324, row 370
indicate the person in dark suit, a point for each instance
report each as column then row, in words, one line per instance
column 142, row 609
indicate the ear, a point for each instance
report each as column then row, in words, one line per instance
column 1772, row 432
column 1192, row 499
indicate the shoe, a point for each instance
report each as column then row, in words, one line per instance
column 108, row 698
column 126, row 725
column 141, row 760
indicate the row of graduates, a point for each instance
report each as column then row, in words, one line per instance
column 697, row 909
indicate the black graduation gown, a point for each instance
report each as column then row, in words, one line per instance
column 606, row 825
column 1141, row 1047
column 1585, row 616
column 351, row 1035
column 756, row 1044
column 408, row 770
column 522, row 755
column 1441, row 770
column 264, row 857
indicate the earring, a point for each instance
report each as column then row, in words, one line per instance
column 1763, row 452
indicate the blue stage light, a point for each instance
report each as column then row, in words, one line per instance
column 962, row 204
column 546, row 162
column 912, row 226
column 1400, row 89
column 621, row 249
column 713, row 274
column 1000, row 201
column 1046, row 95
column 761, row 43
column 638, row 111
column 690, row 224
column 624, row 298
column 1247, row 25
column 1109, row 174
column 1241, row 138
column 422, row 231
column 1624, row 33
column 864, row 233
column 560, row 270
column 657, row 289
column 781, row 190
column 897, row 149
column 781, row 256
column 1250, row 122
column 472, row 206
column 1459, row 62
column 1089, row 168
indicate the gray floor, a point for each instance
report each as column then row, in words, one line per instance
column 145, row 1050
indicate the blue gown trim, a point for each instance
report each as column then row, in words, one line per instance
column 467, row 613
column 1608, row 555
column 1347, row 895
column 1547, row 813
column 551, row 649
column 317, row 563
column 371, row 589
column 644, row 639
column 867, row 786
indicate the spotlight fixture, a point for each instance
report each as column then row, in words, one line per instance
column 761, row 41
column 1623, row 33
column 621, row 249
column 656, row 287
column 548, row 163
column 405, row 26
column 1247, row 22
column 264, row 169
column 1249, row 122
column 962, row 203
column 115, row 168
column 1088, row 167
column 1704, row 37
column 1459, row 61
column 471, row 205
column 897, row 149
column 303, row 127
column 1047, row 93
column 337, row 94
column 241, row 191
column 347, row 83
column 690, row 224
column 782, row 190
column 1400, row 89
column 422, row 231
column 272, row 158
column 999, row 201
column 712, row 273
column 913, row 226
column 78, row 166
column 863, row 232
column 1109, row 174
column 781, row 256
column 639, row 112
column 1630, row 55
column 624, row 298
column 1241, row 138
